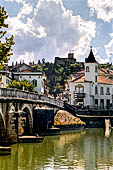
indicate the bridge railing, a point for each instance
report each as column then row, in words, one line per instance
column 52, row 101
column 15, row 93
column 95, row 107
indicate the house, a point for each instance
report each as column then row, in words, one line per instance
column 26, row 72
column 5, row 78
column 93, row 87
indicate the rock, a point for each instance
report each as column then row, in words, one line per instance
column 65, row 118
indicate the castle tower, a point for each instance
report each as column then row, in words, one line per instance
column 91, row 68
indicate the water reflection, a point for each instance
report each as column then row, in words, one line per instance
column 80, row 150
column 107, row 132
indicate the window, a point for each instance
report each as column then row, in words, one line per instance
column 34, row 83
column 102, row 103
column 107, row 90
column 95, row 78
column 96, row 68
column 96, row 103
column 96, row 90
column 87, row 68
column 108, row 103
column 79, row 89
column 101, row 90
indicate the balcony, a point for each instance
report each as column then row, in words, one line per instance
column 79, row 95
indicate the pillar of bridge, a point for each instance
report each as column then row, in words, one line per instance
column 11, row 122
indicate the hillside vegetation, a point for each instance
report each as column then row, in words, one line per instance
column 57, row 75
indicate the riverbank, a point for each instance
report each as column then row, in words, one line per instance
column 70, row 127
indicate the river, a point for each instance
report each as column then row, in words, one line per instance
column 88, row 149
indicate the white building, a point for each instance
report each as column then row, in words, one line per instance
column 5, row 79
column 91, row 89
column 26, row 72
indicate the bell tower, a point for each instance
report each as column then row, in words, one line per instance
column 91, row 68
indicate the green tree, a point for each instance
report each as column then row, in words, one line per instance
column 5, row 43
column 57, row 75
column 37, row 67
column 24, row 84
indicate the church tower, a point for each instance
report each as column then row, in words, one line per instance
column 91, row 68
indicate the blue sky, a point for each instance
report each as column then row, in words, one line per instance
column 49, row 28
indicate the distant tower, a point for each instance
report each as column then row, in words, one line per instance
column 71, row 55
column 91, row 68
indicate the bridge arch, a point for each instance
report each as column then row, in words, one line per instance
column 27, row 114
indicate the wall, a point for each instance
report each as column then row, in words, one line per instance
column 30, row 77
column 104, row 96
column 90, row 96
column 90, row 76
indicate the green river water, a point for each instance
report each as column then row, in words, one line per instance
column 88, row 149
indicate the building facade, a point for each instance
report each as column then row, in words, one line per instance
column 5, row 79
column 91, row 89
column 26, row 72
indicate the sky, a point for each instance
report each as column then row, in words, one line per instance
column 54, row 28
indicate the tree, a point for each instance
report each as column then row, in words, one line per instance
column 5, row 43
column 57, row 75
column 37, row 68
column 24, row 84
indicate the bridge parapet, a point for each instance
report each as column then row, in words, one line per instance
column 15, row 93
column 52, row 101
column 11, row 93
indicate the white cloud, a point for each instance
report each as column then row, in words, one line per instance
column 17, row 27
column 103, row 9
column 17, row 1
column 52, row 31
column 99, row 58
column 109, row 50
column 25, row 10
column 26, row 57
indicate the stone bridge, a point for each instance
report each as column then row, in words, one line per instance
column 16, row 111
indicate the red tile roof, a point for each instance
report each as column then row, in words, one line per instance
column 101, row 80
column 80, row 79
column 104, row 80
